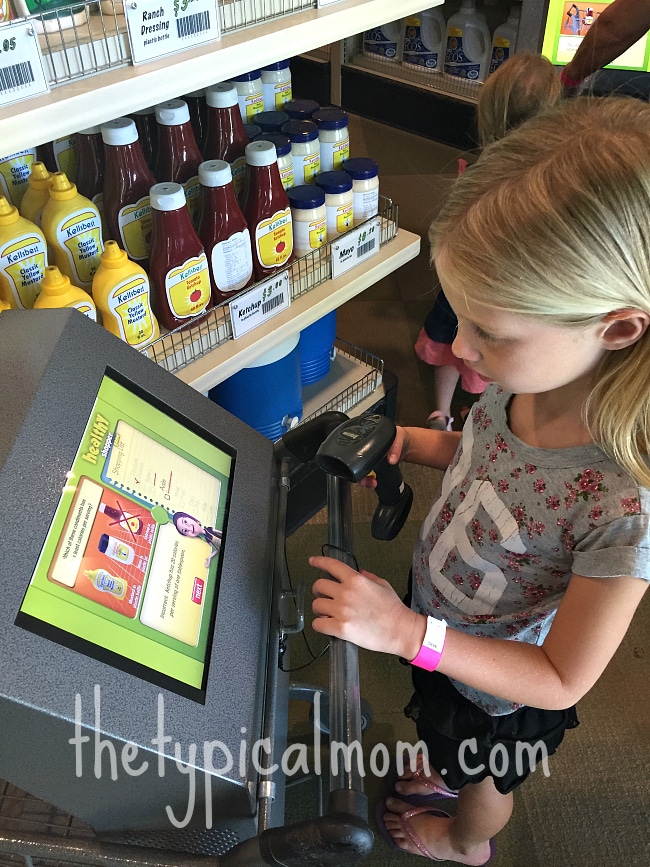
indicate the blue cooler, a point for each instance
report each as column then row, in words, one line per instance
column 267, row 394
column 316, row 344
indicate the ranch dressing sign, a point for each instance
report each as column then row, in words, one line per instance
column 161, row 27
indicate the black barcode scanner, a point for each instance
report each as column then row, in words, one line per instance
column 358, row 447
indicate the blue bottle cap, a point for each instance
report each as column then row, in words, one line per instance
column 330, row 118
column 300, row 131
column 247, row 76
column 334, row 182
column 103, row 543
column 281, row 142
column 306, row 196
column 271, row 121
column 361, row 168
column 252, row 130
column 301, row 109
column 274, row 67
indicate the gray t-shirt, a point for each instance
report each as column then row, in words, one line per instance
column 513, row 523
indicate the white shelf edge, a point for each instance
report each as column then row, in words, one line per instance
column 94, row 99
column 207, row 371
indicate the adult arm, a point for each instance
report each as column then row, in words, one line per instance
column 617, row 28
column 592, row 620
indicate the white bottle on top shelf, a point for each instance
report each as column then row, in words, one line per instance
column 467, row 54
column 383, row 42
column 504, row 41
column 424, row 39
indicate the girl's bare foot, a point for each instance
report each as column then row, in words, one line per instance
column 419, row 833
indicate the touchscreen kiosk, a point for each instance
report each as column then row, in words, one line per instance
column 568, row 23
column 136, row 579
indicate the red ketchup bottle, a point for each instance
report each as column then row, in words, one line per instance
column 127, row 181
column 198, row 115
column 90, row 166
column 267, row 211
column 179, row 156
column 224, row 232
column 178, row 271
column 226, row 138
column 145, row 122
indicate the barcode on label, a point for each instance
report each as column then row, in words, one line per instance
column 15, row 76
column 272, row 303
column 192, row 24
column 365, row 248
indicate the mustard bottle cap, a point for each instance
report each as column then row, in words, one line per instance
column 113, row 256
column 61, row 188
column 4, row 305
column 54, row 282
column 8, row 214
column 39, row 178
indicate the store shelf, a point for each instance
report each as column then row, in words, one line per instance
column 93, row 99
column 217, row 365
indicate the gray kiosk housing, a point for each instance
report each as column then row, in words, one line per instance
column 52, row 364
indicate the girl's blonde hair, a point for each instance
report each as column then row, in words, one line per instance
column 519, row 89
column 553, row 222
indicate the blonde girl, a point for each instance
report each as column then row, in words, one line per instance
column 532, row 562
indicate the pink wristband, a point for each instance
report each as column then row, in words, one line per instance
column 569, row 82
column 433, row 644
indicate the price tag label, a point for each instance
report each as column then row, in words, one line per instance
column 355, row 247
column 21, row 64
column 160, row 27
column 326, row 3
column 262, row 302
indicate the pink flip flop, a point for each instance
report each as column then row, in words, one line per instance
column 437, row 792
column 381, row 808
column 405, row 819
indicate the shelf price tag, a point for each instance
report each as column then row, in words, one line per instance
column 260, row 303
column 21, row 63
column 355, row 247
column 161, row 27
column 326, row 3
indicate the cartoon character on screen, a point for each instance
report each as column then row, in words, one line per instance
column 189, row 526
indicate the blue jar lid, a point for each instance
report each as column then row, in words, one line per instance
column 361, row 168
column 306, row 196
column 281, row 142
column 330, row 118
column 301, row 109
column 271, row 121
column 252, row 130
column 247, row 76
column 300, row 131
column 274, row 67
column 335, row 182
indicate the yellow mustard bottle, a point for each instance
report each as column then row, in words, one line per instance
column 122, row 293
column 23, row 257
column 73, row 228
column 14, row 171
column 57, row 291
column 37, row 194
column 107, row 583
column 4, row 305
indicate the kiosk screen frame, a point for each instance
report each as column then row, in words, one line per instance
column 130, row 568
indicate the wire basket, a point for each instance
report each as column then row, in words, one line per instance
column 88, row 38
column 176, row 349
